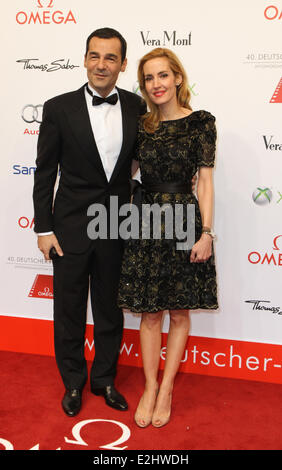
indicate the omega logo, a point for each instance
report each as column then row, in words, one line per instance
column 272, row 13
column 24, row 222
column 50, row 4
column 45, row 16
column 116, row 445
column 256, row 257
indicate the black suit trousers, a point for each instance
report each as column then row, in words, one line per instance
column 97, row 268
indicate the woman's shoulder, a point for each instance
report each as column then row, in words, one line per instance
column 202, row 115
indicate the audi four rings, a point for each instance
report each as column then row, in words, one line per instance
column 32, row 113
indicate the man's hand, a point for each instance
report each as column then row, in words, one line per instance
column 46, row 242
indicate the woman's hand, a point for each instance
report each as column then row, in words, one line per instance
column 202, row 249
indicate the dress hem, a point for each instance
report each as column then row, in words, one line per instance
column 176, row 307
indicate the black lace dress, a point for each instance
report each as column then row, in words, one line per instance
column 155, row 274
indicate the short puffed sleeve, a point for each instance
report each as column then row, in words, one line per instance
column 206, row 141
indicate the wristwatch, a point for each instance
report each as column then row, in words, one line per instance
column 209, row 232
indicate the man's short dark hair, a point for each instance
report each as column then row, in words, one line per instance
column 108, row 33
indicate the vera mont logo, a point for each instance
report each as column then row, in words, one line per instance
column 45, row 15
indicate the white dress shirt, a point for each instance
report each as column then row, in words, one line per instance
column 106, row 123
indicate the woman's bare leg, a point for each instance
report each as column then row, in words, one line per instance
column 176, row 341
column 150, row 340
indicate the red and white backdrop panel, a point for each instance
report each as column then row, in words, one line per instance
column 231, row 54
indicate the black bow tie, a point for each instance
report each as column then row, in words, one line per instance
column 112, row 99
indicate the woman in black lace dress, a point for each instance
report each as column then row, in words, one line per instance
column 173, row 144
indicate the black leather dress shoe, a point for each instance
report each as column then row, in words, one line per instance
column 71, row 402
column 112, row 397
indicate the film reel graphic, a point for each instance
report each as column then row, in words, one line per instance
column 277, row 95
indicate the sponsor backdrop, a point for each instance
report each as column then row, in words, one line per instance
column 233, row 57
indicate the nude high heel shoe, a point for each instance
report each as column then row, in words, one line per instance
column 161, row 418
column 143, row 415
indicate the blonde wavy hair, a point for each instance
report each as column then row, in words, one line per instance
column 151, row 120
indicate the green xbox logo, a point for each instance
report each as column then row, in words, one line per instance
column 136, row 88
column 262, row 196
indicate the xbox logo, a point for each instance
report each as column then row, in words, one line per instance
column 262, row 196
column 136, row 89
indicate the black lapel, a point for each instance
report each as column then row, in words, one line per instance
column 129, row 119
column 79, row 121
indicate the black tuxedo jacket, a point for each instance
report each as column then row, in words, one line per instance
column 66, row 141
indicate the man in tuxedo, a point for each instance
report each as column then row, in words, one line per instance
column 91, row 140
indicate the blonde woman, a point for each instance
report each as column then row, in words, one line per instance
column 173, row 144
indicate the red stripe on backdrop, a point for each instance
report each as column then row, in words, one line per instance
column 207, row 356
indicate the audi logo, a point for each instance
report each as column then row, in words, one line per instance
column 32, row 113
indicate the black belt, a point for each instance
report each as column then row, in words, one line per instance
column 171, row 187
column 168, row 187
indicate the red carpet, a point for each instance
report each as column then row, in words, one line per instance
column 208, row 412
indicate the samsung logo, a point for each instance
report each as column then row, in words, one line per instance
column 23, row 170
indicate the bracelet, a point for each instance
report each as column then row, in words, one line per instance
column 208, row 231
